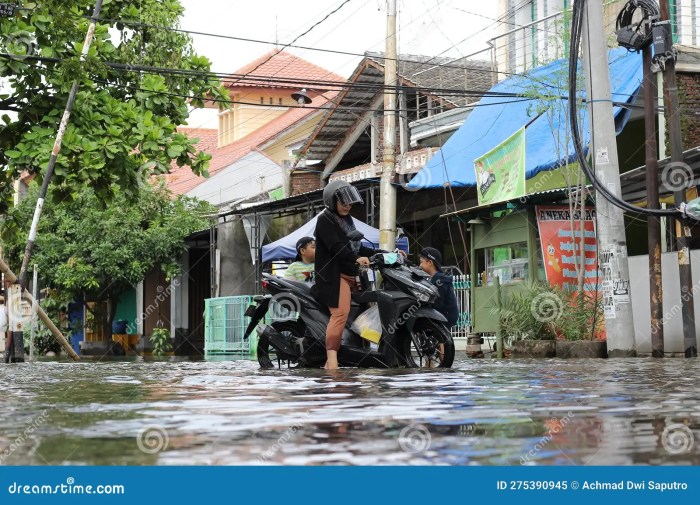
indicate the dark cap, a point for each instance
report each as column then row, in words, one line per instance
column 301, row 243
column 433, row 255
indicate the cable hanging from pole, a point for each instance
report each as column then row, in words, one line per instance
column 576, row 27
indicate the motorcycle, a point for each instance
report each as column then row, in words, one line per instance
column 412, row 333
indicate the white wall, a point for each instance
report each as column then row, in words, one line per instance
column 253, row 174
column 639, row 287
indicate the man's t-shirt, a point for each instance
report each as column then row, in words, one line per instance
column 300, row 271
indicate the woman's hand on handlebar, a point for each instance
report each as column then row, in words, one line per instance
column 362, row 261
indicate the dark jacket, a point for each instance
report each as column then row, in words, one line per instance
column 333, row 257
column 446, row 304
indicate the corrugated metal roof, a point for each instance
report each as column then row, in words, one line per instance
column 414, row 71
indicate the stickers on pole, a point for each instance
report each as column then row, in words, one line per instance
column 601, row 156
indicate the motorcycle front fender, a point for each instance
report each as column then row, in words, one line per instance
column 427, row 313
column 257, row 315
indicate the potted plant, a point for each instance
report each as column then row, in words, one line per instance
column 160, row 341
column 530, row 335
column 581, row 328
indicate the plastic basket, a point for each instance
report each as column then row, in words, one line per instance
column 225, row 325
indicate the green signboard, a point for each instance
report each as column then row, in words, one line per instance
column 500, row 173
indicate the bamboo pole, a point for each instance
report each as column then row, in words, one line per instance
column 12, row 278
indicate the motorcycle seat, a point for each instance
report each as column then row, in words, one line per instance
column 302, row 286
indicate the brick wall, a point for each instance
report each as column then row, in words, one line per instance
column 303, row 182
column 689, row 98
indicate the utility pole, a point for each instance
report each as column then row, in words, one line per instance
column 387, row 206
column 15, row 353
column 682, row 228
column 653, row 222
column 612, row 245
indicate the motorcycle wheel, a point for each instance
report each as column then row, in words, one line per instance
column 436, row 349
column 266, row 352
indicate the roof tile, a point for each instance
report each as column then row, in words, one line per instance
column 278, row 64
column 181, row 180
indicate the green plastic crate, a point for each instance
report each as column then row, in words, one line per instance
column 225, row 325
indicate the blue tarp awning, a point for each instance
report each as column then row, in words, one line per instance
column 496, row 118
column 284, row 248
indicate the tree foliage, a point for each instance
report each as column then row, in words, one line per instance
column 123, row 125
column 91, row 251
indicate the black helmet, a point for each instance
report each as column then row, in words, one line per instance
column 345, row 192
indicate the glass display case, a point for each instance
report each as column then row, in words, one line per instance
column 507, row 262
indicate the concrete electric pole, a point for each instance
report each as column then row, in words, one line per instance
column 612, row 245
column 387, row 206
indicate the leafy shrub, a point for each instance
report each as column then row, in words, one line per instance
column 544, row 312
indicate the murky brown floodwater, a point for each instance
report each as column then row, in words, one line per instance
column 484, row 412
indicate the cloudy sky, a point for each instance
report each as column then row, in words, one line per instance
column 449, row 28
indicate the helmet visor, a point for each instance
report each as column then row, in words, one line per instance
column 348, row 195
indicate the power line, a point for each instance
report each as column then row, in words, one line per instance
column 298, row 37
column 271, row 81
column 308, row 48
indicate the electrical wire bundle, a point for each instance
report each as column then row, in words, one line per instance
column 576, row 31
column 631, row 35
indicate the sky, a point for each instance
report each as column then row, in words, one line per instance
column 448, row 28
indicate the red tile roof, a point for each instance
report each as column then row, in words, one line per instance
column 181, row 180
column 281, row 65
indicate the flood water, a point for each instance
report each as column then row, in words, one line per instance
column 481, row 412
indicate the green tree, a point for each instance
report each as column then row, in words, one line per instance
column 124, row 120
column 90, row 251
